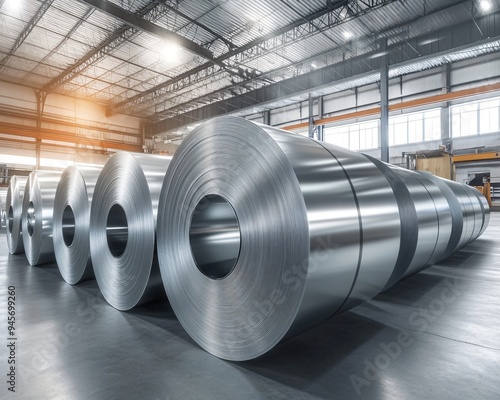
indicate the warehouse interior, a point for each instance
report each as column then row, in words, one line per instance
column 413, row 83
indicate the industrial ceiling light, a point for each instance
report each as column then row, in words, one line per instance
column 170, row 50
column 12, row 5
column 485, row 5
column 348, row 35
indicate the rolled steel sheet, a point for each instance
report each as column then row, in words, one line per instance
column 123, row 229
column 379, row 223
column 38, row 207
column 263, row 234
column 455, row 207
column 306, row 247
column 408, row 239
column 485, row 207
column 14, row 210
column 72, row 223
column 468, row 210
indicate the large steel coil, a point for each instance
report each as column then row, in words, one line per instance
column 72, row 222
column 38, row 207
column 123, row 229
column 263, row 234
column 14, row 210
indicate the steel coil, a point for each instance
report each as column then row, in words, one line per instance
column 309, row 239
column 38, row 207
column 14, row 210
column 263, row 234
column 72, row 221
column 123, row 229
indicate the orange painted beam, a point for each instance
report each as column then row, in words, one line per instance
column 17, row 130
column 352, row 115
column 302, row 125
column 439, row 98
column 476, row 157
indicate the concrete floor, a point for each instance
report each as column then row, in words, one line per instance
column 434, row 336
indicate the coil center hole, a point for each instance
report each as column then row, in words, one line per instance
column 11, row 219
column 214, row 236
column 31, row 218
column 68, row 225
column 117, row 230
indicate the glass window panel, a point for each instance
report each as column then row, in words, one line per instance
column 392, row 139
column 468, row 122
column 432, row 124
column 358, row 136
column 400, row 129
column 354, row 137
column 488, row 116
column 415, row 130
column 456, row 129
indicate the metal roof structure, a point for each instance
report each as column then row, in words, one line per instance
column 173, row 62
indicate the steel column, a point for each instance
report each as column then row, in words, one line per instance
column 384, row 102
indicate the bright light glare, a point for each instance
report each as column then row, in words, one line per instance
column 485, row 5
column 170, row 50
column 348, row 35
column 17, row 161
column 12, row 5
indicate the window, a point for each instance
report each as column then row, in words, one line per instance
column 415, row 127
column 432, row 125
column 489, row 116
column 475, row 118
column 403, row 129
column 398, row 130
column 358, row 136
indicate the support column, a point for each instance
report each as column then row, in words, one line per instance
column 311, row 119
column 384, row 102
column 41, row 96
column 445, row 110
column 266, row 115
column 320, row 128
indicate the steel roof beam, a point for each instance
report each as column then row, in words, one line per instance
column 140, row 23
column 213, row 74
column 26, row 31
column 117, row 39
column 227, row 42
column 64, row 40
column 338, row 13
column 346, row 73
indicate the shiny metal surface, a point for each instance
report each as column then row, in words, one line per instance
column 123, row 229
column 468, row 209
column 14, row 210
column 380, row 225
column 408, row 237
column 427, row 220
column 320, row 228
column 214, row 236
column 455, row 207
column 38, row 207
column 310, row 223
column 71, row 223
column 485, row 212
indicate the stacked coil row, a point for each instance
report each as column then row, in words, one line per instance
column 255, row 234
